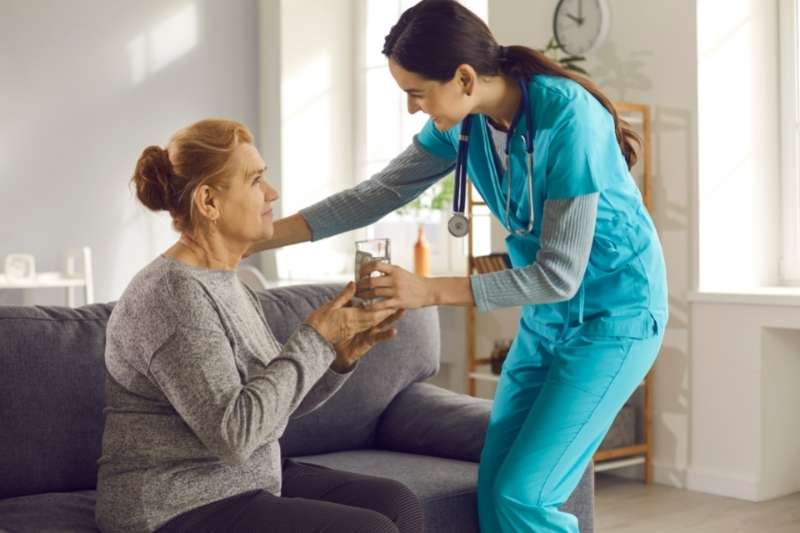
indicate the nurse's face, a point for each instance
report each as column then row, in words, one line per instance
column 446, row 102
column 245, row 202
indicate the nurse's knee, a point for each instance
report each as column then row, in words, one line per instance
column 505, row 492
column 509, row 494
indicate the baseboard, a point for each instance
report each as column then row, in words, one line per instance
column 663, row 474
column 703, row 480
column 670, row 475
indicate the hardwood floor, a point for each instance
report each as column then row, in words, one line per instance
column 624, row 506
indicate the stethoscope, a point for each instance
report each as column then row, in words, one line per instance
column 459, row 224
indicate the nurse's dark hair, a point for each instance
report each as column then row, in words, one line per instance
column 166, row 178
column 434, row 37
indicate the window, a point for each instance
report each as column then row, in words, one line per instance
column 790, row 139
column 385, row 128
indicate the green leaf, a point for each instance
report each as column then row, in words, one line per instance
column 577, row 69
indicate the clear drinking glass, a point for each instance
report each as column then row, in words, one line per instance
column 368, row 251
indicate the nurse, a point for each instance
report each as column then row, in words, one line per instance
column 550, row 156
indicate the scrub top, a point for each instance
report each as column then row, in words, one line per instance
column 624, row 289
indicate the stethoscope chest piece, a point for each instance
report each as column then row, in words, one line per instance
column 458, row 225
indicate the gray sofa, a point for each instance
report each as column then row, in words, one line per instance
column 385, row 421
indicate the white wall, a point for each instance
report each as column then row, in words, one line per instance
column 650, row 58
column 85, row 87
column 745, row 437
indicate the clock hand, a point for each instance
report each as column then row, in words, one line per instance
column 576, row 19
column 580, row 11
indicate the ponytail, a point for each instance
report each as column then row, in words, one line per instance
column 522, row 62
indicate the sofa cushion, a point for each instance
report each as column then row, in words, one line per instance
column 429, row 420
column 446, row 487
column 349, row 419
column 55, row 512
column 51, row 397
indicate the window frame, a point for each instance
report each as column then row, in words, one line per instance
column 789, row 42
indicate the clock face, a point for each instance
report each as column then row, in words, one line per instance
column 580, row 25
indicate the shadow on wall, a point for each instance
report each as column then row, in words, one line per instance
column 617, row 75
column 671, row 213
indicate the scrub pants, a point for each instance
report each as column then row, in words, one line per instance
column 551, row 411
column 314, row 499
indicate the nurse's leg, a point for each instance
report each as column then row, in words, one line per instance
column 521, row 380
column 588, row 383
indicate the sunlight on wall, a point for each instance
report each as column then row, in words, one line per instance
column 156, row 48
column 307, row 114
column 736, row 167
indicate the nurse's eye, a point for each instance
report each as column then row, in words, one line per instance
column 256, row 180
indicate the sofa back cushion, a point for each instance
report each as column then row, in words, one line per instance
column 349, row 419
column 52, row 377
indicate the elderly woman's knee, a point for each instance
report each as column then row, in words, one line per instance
column 397, row 502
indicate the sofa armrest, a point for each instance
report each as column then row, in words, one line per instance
column 429, row 420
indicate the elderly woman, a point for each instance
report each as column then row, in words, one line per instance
column 199, row 391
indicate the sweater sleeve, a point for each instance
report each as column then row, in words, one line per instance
column 405, row 178
column 330, row 382
column 566, row 243
column 196, row 370
column 328, row 385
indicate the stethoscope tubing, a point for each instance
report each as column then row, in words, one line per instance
column 460, row 189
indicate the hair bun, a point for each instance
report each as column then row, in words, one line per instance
column 153, row 177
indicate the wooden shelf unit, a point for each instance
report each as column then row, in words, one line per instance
column 639, row 116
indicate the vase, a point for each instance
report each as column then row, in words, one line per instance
column 422, row 254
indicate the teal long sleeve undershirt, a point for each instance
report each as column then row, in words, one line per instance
column 565, row 244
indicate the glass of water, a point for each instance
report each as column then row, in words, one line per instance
column 368, row 251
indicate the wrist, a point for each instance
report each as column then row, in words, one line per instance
column 342, row 366
column 432, row 290
column 318, row 325
column 451, row 291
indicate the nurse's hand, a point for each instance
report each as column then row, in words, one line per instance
column 400, row 288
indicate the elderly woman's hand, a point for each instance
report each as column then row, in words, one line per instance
column 351, row 330
column 350, row 351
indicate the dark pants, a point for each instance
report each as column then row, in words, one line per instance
column 314, row 499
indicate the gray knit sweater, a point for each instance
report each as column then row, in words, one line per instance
column 198, row 391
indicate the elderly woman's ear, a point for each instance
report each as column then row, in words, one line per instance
column 206, row 203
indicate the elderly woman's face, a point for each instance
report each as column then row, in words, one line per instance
column 246, row 202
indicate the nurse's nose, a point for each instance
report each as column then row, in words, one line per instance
column 413, row 106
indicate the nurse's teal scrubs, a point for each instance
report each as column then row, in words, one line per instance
column 573, row 364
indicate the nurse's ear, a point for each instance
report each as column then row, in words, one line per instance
column 466, row 78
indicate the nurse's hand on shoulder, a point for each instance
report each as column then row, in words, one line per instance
column 400, row 288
